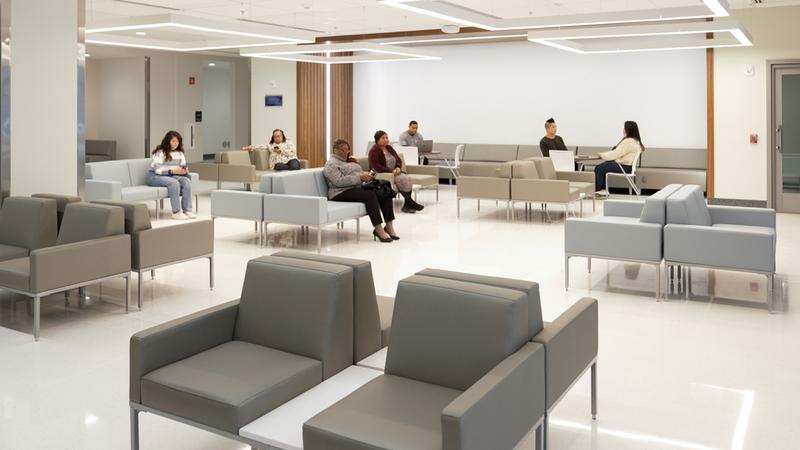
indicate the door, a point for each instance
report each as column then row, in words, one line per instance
column 786, row 138
column 217, row 116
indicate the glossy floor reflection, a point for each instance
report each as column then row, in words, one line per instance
column 711, row 372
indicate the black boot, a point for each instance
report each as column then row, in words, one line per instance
column 408, row 205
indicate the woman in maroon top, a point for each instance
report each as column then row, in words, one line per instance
column 383, row 159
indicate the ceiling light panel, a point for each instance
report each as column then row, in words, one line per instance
column 346, row 53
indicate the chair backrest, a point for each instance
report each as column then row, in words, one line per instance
column 524, row 169
column 675, row 158
column 636, row 162
column 530, row 289
column 529, row 151
column 265, row 185
column 28, row 222
column 235, row 157
column 687, row 206
column 451, row 333
column 363, row 161
column 137, row 216
column 85, row 221
column 408, row 153
column 655, row 206
column 490, row 152
column 300, row 307
column 137, row 169
column 459, row 154
column 563, row 160
column 366, row 321
column 109, row 171
column 61, row 202
column 260, row 159
column 300, row 182
column 546, row 169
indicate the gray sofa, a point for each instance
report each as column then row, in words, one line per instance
column 125, row 180
column 223, row 367
column 100, row 150
column 722, row 237
column 480, row 388
column 660, row 167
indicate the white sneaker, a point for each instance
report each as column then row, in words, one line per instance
column 601, row 193
column 179, row 216
column 190, row 215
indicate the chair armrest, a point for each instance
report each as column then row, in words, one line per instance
column 103, row 190
column 388, row 177
column 195, row 177
column 64, row 265
column 735, row 248
column 205, row 171
column 570, row 346
column 178, row 339
column 501, row 407
column 173, row 243
column 296, row 209
column 623, row 208
column 580, row 177
column 237, row 204
column 237, row 174
column 483, row 187
column 614, row 237
column 303, row 163
column 537, row 190
column 422, row 170
column 736, row 215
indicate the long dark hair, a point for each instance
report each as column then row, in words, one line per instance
column 632, row 131
column 378, row 135
column 272, row 136
column 166, row 147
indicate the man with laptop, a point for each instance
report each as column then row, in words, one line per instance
column 551, row 141
column 412, row 138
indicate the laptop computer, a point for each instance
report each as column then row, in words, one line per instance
column 425, row 147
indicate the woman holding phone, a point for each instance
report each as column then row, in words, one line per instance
column 282, row 154
column 168, row 169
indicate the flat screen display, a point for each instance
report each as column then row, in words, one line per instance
column 273, row 100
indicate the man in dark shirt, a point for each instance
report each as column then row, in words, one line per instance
column 551, row 141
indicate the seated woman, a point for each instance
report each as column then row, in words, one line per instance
column 383, row 159
column 168, row 169
column 344, row 177
column 623, row 153
column 282, row 154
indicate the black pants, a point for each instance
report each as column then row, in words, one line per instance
column 607, row 167
column 370, row 200
column 293, row 164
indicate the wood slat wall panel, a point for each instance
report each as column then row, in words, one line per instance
column 311, row 113
column 342, row 102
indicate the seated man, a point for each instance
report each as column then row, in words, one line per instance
column 551, row 141
column 412, row 138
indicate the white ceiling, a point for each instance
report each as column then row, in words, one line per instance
column 338, row 17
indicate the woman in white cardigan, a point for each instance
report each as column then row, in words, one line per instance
column 623, row 154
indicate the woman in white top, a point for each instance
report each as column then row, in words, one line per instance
column 168, row 169
column 623, row 154
column 282, row 155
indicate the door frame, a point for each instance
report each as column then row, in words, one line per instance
column 772, row 67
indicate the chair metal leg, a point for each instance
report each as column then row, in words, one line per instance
column 128, row 291
column 479, row 206
column 139, row 289
column 153, row 274
column 82, row 293
column 134, row 429
column 196, row 203
column 255, row 225
column 589, row 265
column 211, row 272
column 545, row 430
column 594, row 391
column 437, row 192
column 581, row 210
column 458, row 207
column 770, row 293
column 319, row 239
column 594, row 204
column 266, row 234
column 513, row 212
column 358, row 229
column 658, row 282
column 687, row 279
column 566, row 273
column 37, row 310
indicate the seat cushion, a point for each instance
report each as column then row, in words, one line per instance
column 16, row 273
column 388, row 412
column 345, row 210
column 109, row 171
column 423, row 180
column 230, row 385
column 546, row 169
column 385, row 311
column 11, row 252
column 143, row 193
column 586, row 188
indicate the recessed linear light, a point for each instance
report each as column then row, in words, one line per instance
column 211, row 64
column 87, row 55
column 434, row 40
column 141, row 33
column 456, row 14
column 579, row 40
column 120, row 41
column 308, row 53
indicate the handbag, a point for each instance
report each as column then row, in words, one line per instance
column 382, row 188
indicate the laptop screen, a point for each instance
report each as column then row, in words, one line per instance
column 425, row 147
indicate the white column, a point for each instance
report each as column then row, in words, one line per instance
column 47, row 97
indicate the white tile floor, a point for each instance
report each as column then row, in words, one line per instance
column 697, row 374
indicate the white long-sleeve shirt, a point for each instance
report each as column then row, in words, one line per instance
column 625, row 152
column 161, row 166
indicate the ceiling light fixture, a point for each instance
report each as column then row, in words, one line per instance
column 465, row 38
column 450, row 12
column 657, row 37
column 311, row 53
column 141, row 33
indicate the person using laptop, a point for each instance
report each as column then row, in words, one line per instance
column 551, row 141
column 412, row 138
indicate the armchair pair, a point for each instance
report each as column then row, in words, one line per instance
column 536, row 181
column 91, row 247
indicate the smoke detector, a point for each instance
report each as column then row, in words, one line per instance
column 450, row 29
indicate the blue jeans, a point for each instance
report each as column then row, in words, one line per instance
column 179, row 189
column 293, row 164
column 607, row 167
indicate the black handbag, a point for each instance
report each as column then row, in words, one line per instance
column 382, row 188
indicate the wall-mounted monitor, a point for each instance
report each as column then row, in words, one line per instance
column 273, row 100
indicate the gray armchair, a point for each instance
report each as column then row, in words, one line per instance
column 473, row 186
column 460, row 374
column 61, row 202
column 426, row 177
column 223, row 367
column 722, row 237
column 91, row 247
column 152, row 248
column 628, row 231
column 26, row 224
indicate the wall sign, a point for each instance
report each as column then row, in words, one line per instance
column 273, row 100
column 192, row 81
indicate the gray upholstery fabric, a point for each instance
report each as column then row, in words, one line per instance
column 389, row 412
column 29, row 223
column 530, row 289
column 490, row 152
column 386, row 312
column 229, row 385
column 546, row 169
column 84, row 221
column 614, row 237
column 237, row 205
column 137, row 216
column 301, row 182
column 736, row 215
column 570, row 343
column 655, row 206
column 675, row 158
column 142, row 193
column 171, row 244
column 110, row 171
column 11, row 252
column 451, row 333
column 687, row 206
column 61, row 202
column 137, row 169
column 722, row 245
column 529, row 151
column 366, row 319
column 624, row 208
column 265, row 185
column 339, row 211
column 301, row 307
column 16, row 273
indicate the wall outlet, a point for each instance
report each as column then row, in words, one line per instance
column 749, row 70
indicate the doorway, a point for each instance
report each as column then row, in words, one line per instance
column 217, row 121
column 784, row 184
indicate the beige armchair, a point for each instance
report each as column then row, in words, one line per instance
column 426, row 177
column 476, row 187
column 536, row 181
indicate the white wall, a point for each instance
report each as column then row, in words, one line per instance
column 740, row 101
column 272, row 77
column 502, row 93
column 44, row 97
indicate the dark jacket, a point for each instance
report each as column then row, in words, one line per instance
column 377, row 161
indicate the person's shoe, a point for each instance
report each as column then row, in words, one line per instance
column 417, row 206
column 179, row 216
column 408, row 209
column 190, row 215
column 601, row 193
column 393, row 236
column 375, row 236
